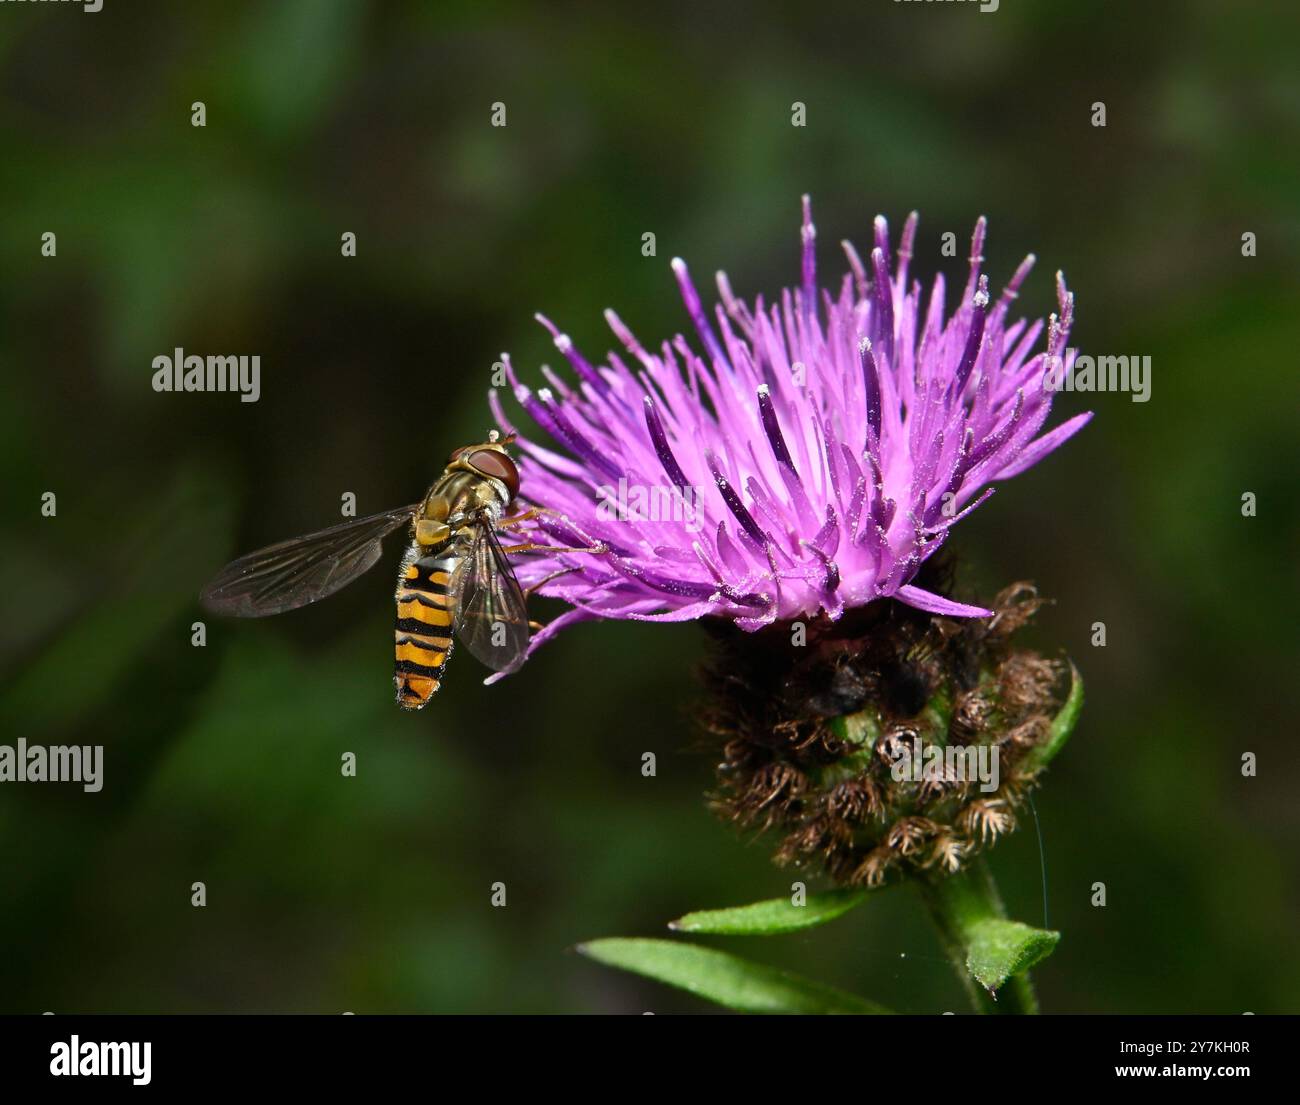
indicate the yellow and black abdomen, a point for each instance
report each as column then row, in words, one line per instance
column 426, row 613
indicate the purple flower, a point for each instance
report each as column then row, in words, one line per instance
column 815, row 453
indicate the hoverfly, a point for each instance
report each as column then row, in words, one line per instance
column 455, row 578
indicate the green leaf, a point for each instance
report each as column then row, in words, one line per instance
column 1062, row 725
column 776, row 915
column 723, row 978
column 998, row 949
column 986, row 948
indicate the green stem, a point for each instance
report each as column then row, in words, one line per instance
column 958, row 903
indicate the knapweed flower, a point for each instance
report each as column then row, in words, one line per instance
column 807, row 457
column 789, row 481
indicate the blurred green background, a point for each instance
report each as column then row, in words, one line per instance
column 372, row 894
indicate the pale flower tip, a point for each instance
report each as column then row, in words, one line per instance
column 764, row 391
column 678, row 265
column 563, row 343
column 545, row 395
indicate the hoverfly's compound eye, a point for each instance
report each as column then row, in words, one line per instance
column 498, row 466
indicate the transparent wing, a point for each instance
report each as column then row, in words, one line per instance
column 492, row 617
column 301, row 570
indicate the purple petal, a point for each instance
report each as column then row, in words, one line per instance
column 937, row 604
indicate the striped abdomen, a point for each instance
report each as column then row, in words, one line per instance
column 426, row 612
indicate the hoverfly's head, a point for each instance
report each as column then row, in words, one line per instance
column 489, row 459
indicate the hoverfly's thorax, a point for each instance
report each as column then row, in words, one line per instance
column 462, row 495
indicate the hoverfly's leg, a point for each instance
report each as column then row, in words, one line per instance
column 545, row 580
column 534, row 547
column 537, row 627
column 528, row 516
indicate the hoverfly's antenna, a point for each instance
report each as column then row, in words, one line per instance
column 495, row 438
column 493, row 435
